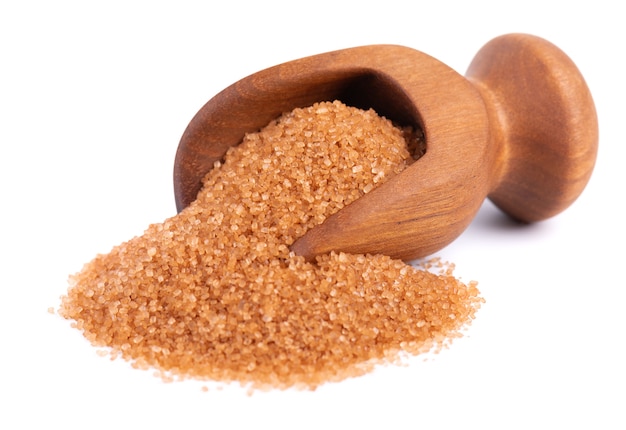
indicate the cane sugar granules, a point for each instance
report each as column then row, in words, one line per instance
column 214, row 293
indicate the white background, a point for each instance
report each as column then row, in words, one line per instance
column 93, row 101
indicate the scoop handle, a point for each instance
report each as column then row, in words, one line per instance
column 543, row 120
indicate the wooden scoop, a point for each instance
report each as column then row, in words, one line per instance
column 520, row 129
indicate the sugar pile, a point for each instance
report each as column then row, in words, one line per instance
column 214, row 293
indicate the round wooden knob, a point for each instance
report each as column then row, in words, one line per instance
column 544, row 121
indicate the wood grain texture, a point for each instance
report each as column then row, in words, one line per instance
column 521, row 129
column 546, row 123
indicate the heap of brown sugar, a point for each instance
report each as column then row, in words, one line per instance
column 214, row 292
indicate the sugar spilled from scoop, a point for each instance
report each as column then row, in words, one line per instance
column 214, row 293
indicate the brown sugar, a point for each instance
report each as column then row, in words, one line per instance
column 214, row 293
